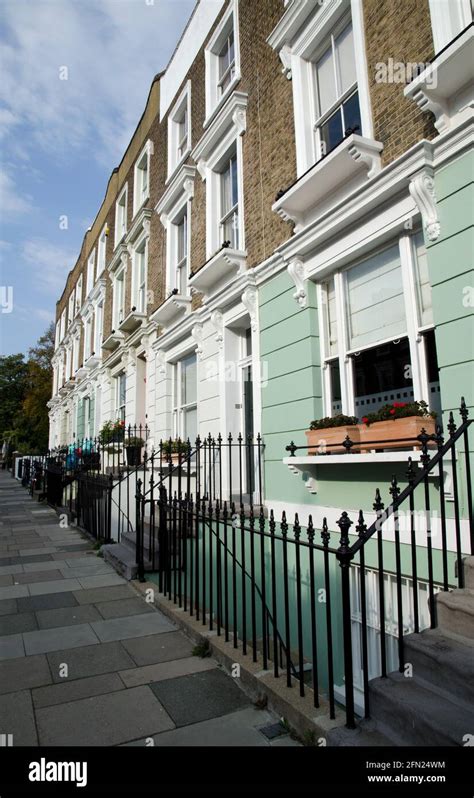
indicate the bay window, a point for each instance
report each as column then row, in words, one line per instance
column 377, row 339
column 184, row 398
column 229, row 204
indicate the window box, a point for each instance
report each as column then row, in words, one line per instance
column 172, row 309
column 132, row 321
column 354, row 161
column 221, row 268
column 322, row 440
column 390, row 434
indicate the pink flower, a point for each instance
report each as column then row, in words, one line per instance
column 364, row 419
column 392, row 412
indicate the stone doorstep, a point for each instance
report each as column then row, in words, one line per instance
column 283, row 701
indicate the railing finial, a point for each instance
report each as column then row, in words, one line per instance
column 464, row 412
column 378, row 504
column 325, row 534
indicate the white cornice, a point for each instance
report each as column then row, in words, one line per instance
column 141, row 222
column 232, row 115
column 180, row 188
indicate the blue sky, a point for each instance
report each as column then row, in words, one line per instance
column 60, row 139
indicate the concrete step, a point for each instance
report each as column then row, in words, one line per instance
column 405, row 708
column 455, row 612
column 444, row 662
column 122, row 560
column 367, row 734
column 128, row 539
column 468, row 566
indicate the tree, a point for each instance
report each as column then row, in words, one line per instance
column 13, row 387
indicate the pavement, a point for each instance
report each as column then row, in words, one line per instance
column 85, row 660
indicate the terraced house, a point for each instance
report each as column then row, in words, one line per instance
column 288, row 238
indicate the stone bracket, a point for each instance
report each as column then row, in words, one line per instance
column 297, row 273
column 423, row 192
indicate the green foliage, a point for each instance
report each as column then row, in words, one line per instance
column 174, row 447
column 399, row 410
column 111, row 432
column 202, row 650
column 334, row 421
column 25, row 389
column 134, row 441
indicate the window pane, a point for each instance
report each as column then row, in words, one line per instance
column 375, row 303
column 381, row 376
column 325, row 80
column 188, row 380
column 345, row 59
column 331, row 132
column 231, row 230
column 351, row 112
column 331, row 319
column 226, row 190
column 233, row 169
column 335, row 377
column 423, row 286
column 190, row 424
column 182, row 239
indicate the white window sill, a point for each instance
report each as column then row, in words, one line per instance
column 173, row 309
column 220, row 269
column 445, row 87
column 132, row 321
column 351, row 164
column 112, row 341
column 92, row 361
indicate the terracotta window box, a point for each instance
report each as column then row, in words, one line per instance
column 389, row 434
column 320, row 440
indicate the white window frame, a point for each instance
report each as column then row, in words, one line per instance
column 118, row 317
column 101, row 252
column 140, row 195
column 179, row 149
column 78, row 295
column 178, row 408
column 413, row 332
column 90, row 272
column 75, row 354
column 121, row 228
column 70, row 308
column 87, row 336
column 214, row 97
column 57, row 336
column 62, row 325
column 234, row 210
column 120, row 409
column 309, row 43
column 137, row 287
column 448, row 19
column 98, row 326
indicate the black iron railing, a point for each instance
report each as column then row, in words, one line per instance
column 328, row 616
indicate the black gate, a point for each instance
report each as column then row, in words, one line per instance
column 94, row 504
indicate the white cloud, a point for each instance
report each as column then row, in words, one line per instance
column 50, row 265
column 111, row 49
column 11, row 202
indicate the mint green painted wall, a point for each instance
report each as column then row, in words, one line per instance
column 451, row 269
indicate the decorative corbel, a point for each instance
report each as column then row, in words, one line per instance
column 249, row 301
column 202, row 168
column 188, row 188
column 423, row 192
column 130, row 251
column 146, row 226
column 197, row 334
column 217, row 321
column 239, row 118
column 296, row 271
column 285, row 58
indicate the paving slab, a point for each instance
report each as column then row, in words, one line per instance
column 10, row 569
column 6, row 580
column 56, row 586
column 95, row 595
column 90, row 661
column 234, row 729
column 80, row 571
column 133, row 626
column 49, row 601
column 200, row 696
column 18, row 623
column 17, row 718
column 67, row 616
column 159, row 648
column 38, row 576
column 24, row 673
column 75, row 690
column 166, row 670
column 34, row 558
column 14, row 591
column 8, row 607
column 103, row 580
column 123, row 607
column 103, row 720
column 59, row 638
column 33, row 550
column 11, row 646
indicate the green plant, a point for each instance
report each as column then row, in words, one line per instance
column 174, row 447
column 399, row 410
column 334, row 421
column 112, row 431
column 134, row 441
column 202, row 650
